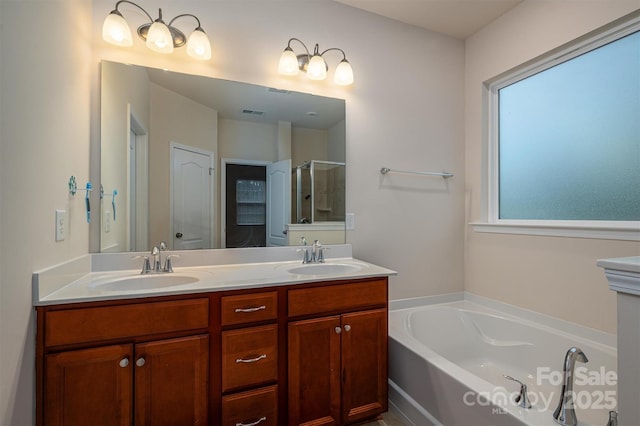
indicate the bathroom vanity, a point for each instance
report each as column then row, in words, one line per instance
column 294, row 345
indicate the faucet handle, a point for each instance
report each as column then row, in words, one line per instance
column 163, row 246
column 167, row 263
column 523, row 398
column 320, row 254
column 306, row 257
column 146, row 266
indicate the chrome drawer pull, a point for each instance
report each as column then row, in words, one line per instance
column 260, row 420
column 249, row 310
column 239, row 360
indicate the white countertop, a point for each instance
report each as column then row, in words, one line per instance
column 85, row 280
column 627, row 264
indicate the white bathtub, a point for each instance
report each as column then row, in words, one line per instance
column 447, row 361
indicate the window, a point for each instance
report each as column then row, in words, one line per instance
column 564, row 138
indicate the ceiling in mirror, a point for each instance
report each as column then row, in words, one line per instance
column 198, row 162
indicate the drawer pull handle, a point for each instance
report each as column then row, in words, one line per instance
column 239, row 360
column 260, row 420
column 249, row 310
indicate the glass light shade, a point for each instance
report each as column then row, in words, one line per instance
column 198, row 45
column 159, row 38
column 344, row 74
column 317, row 68
column 288, row 64
column 115, row 30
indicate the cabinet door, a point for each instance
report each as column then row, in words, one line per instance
column 314, row 372
column 89, row 386
column 364, row 364
column 171, row 379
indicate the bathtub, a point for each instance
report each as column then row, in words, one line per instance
column 447, row 363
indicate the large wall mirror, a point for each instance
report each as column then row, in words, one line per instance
column 201, row 163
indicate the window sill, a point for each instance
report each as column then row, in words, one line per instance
column 626, row 232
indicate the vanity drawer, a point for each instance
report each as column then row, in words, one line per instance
column 245, row 308
column 246, row 408
column 249, row 356
column 337, row 298
column 83, row 325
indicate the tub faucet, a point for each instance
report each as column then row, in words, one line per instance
column 523, row 397
column 565, row 413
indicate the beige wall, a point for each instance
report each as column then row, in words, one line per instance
column 131, row 91
column 551, row 275
column 174, row 118
column 45, row 107
column 308, row 144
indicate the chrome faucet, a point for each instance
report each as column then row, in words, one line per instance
column 523, row 397
column 158, row 265
column 313, row 255
column 565, row 413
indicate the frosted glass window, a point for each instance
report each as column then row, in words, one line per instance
column 569, row 139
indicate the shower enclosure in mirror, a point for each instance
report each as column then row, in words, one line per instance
column 318, row 192
column 206, row 163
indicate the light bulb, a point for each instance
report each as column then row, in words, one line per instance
column 317, row 68
column 115, row 30
column 159, row 38
column 344, row 74
column 288, row 64
column 198, row 45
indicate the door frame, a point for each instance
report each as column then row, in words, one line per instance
column 212, row 156
column 137, row 199
column 223, row 190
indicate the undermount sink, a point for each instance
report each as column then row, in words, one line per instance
column 145, row 282
column 325, row 269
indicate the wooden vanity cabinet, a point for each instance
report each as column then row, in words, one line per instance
column 302, row 354
column 250, row 358
column 337, row 353
column 133, row 379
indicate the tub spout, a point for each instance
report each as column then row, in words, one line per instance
column 565, row 413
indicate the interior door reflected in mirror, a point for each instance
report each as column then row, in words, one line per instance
column 190, row 158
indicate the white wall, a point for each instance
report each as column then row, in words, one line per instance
column 404, row 111
column 45, row 109
column 551, row 275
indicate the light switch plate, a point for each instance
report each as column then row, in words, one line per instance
column 351, row 221
column 61, row 225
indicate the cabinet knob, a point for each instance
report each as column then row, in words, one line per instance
column 140, row 362
column 124, row 362
column 178, row 235
column 260, row 420
column 338, row 330
column 347, row 327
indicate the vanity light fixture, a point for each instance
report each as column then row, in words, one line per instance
column 159, row 37
column 314, row 65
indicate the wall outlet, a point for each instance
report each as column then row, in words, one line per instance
column 351, row 221
column 61, row 225
column 107, row 221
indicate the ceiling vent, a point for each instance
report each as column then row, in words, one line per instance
column 252, row 112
